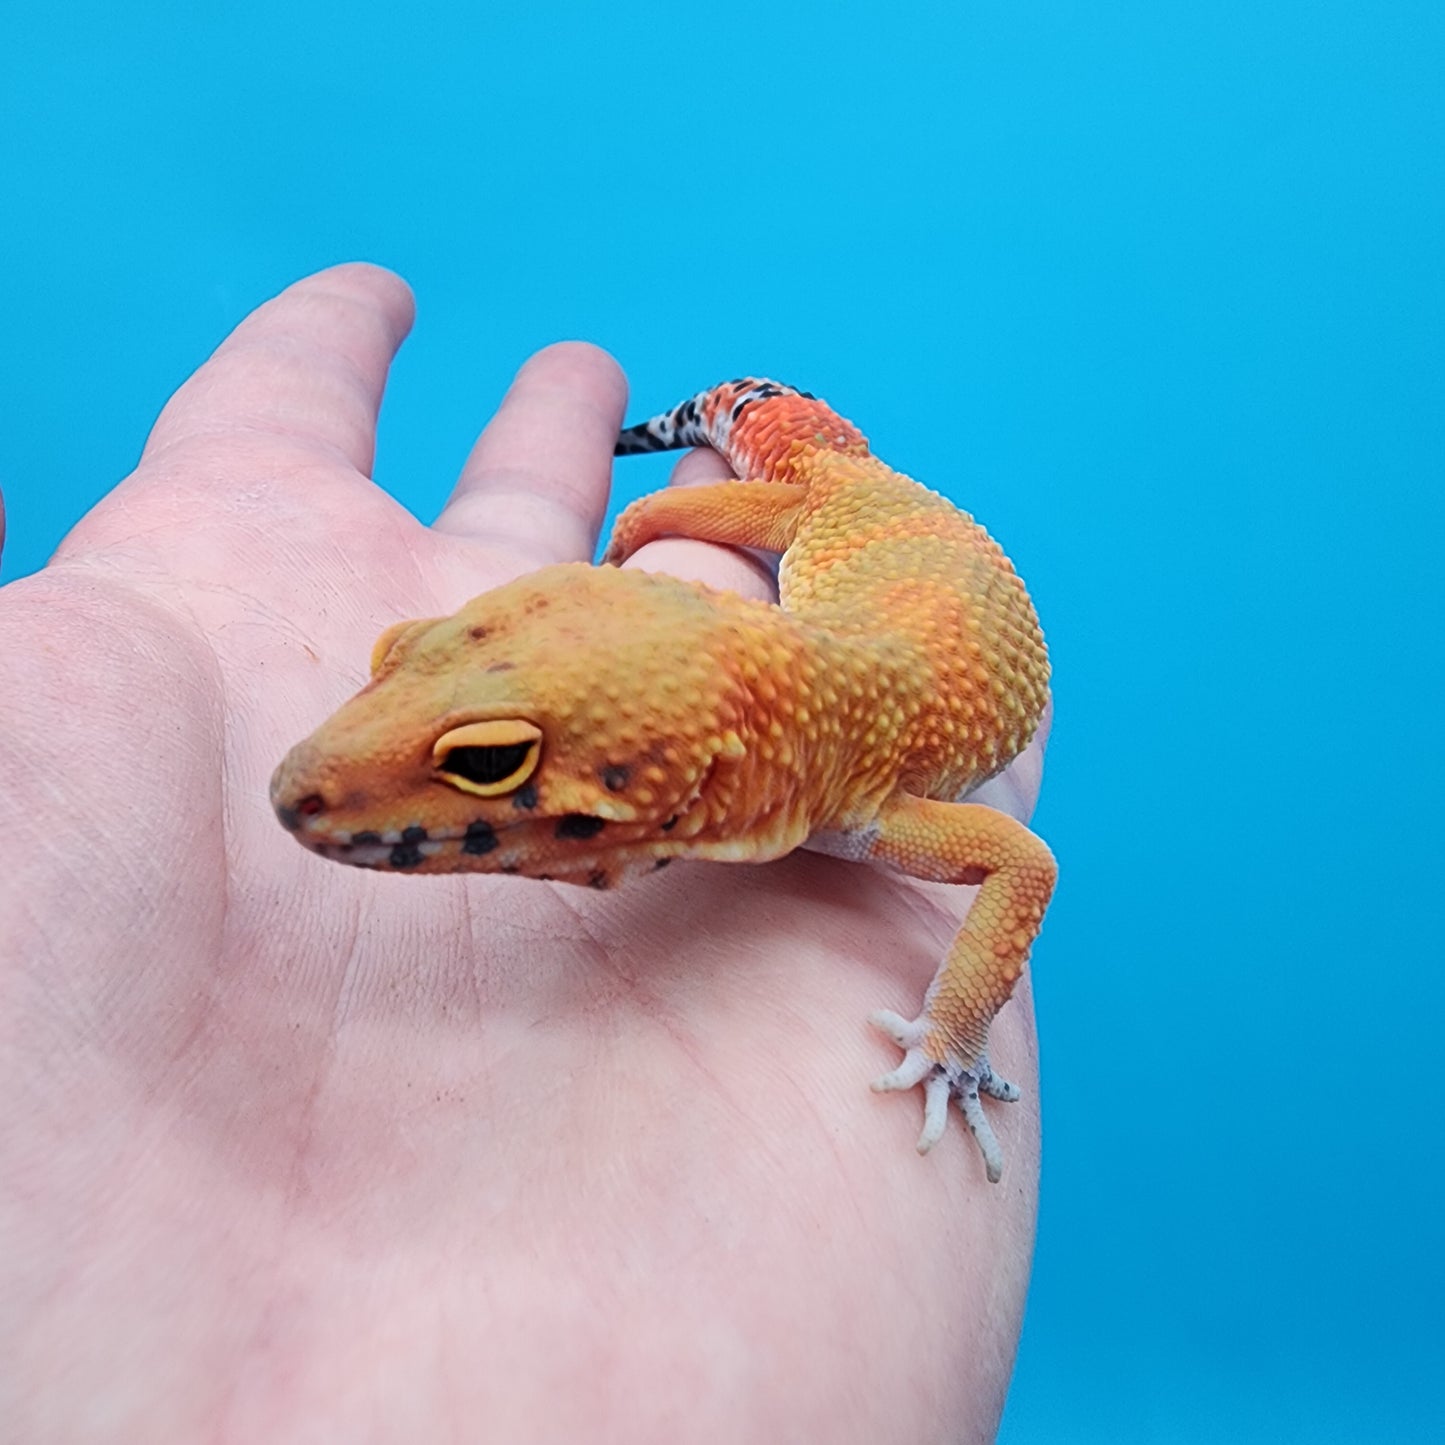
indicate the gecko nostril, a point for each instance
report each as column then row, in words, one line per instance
column 291, row 814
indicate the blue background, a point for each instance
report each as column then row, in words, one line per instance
column 1156, row 289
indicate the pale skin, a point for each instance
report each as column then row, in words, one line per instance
column 290, row 1151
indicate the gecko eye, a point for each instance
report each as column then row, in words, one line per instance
column 393, row 634
column 488, row 758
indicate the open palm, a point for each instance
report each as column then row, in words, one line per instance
column 294, row 1152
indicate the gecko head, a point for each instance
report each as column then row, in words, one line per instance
column 559, row 726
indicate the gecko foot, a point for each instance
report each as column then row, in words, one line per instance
column 942, row 1081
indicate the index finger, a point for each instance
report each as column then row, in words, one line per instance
column 306, row 368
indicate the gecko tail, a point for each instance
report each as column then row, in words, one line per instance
column 660, row 434
column 758, row 425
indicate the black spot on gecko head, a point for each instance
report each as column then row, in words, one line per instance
column 479, row 838
column 525, row 796
column 415, row 834
column 615, row 778
column 405, row 855
column 579, row 825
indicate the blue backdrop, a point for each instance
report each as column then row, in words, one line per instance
column 1157, row 290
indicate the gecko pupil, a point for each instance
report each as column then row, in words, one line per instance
column 487, row 764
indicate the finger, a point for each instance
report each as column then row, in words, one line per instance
column 727, row 567
column 307, row 367
column 536, row 483
column 699, row 467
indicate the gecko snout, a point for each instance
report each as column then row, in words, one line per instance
column 298, row 793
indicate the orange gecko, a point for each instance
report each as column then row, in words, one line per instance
column 584, row 724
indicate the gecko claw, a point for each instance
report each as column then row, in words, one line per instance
column 942, row 1082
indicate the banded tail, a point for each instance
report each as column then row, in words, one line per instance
column 760, row 426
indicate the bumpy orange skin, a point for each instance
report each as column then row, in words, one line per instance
column 904, row 666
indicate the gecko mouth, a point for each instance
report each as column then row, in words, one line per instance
column 404, row 848
column 380, row 855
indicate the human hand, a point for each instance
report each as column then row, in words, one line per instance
column 292, row 1151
